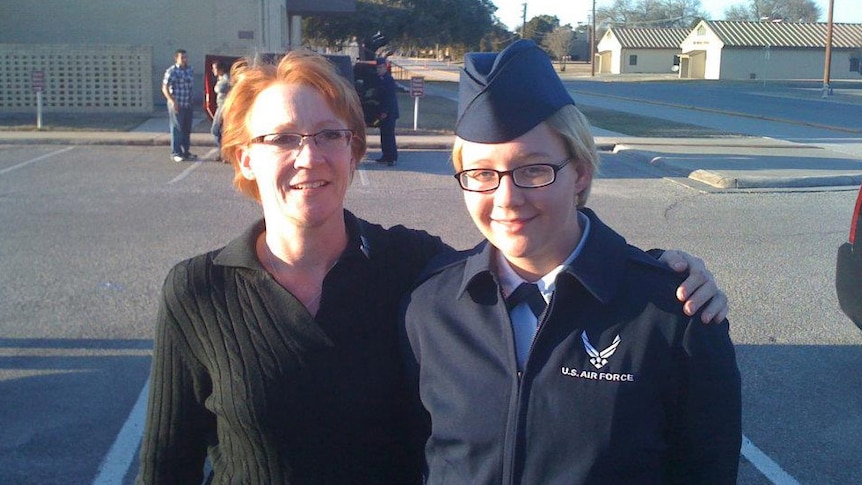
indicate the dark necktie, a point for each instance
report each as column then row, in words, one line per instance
column 527, row 293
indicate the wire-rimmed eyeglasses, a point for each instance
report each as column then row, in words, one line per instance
column 324, row 139
column 526, row 177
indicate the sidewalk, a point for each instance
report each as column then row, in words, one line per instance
column 706, row 163
column 720, row 163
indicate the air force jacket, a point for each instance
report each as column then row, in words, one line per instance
column 620, row 386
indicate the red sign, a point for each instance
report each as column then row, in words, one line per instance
column 37, row 81
column 417, row 86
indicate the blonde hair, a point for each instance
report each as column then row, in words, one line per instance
column 250, row 77
column 574, row 128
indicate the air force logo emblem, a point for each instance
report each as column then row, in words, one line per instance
column 599, row 358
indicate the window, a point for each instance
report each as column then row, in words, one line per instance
column 633, row 60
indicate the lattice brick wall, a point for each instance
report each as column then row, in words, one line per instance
column 77, row 78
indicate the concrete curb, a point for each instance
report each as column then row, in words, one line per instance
column 721, row 163
column 406, row 142
column 763, row 182
column 753, row 163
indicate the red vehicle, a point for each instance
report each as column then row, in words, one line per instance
column 848, row 271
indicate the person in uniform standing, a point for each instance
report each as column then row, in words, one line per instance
column 553, row 351
column 387, row 97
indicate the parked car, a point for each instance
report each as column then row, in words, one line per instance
column 848, row 271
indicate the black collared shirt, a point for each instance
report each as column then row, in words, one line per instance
column 243, row 373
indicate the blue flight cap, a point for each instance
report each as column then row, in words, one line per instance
column 503, row 95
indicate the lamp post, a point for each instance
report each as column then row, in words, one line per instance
column 828, row 62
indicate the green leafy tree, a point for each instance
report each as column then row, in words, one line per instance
column 538, row 27
column 428, row 23
column 370, row 17
column 497, row 39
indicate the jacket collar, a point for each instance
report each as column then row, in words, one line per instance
column 241, row 251
column 599, row 268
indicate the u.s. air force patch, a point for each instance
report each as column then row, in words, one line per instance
column 597, row 376
column 599, row 358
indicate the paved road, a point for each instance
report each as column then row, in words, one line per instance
column 745, row 109
column 801, row 140
column 786, row 111
column 90, row 231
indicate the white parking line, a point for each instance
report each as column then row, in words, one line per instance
column 211, row 154
column 28, row 162
column 116, row 463
column 771, row 470
column 185, row 173
column 363, row 179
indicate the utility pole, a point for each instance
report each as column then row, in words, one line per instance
column 524, row 20
column 828, row 62
column 593, row 43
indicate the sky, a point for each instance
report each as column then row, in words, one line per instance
column 573, row 11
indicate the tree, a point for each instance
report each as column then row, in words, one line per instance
column 428, row 23
column 539, row 26
column 450, row 22
column 739, row 13
column 370, row 17
column 786, row 10
column 497, row 39
column 650, row 13
column 559, row 41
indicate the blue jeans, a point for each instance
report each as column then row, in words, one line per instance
column 181, row 130
column 216, row 129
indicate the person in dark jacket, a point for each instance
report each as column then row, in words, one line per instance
column 553, row 352
column 276, row 356
column 387, row 96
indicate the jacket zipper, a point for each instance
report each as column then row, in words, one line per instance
column 516, row 431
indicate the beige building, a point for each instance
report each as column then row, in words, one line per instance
column 101, row 55
column 769, row 50
column 639, row 50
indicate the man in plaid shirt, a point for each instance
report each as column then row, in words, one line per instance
column 177, row 88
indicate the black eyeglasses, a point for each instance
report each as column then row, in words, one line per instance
column 324, row 139
column 526, row 177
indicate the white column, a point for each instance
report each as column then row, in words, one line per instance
column 295, row 31
column 273, row 25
